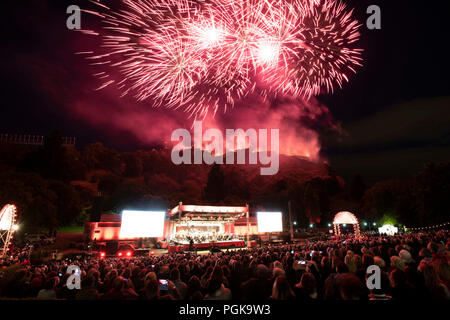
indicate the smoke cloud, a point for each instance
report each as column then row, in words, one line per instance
column 299, row 122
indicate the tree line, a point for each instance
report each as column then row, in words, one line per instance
column 55, row 185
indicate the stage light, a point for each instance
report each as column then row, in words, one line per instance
column 102, row 254
column 374, row 223
column 119, row 254
column 311, row 225
column 129, row 254
column 365, row 223
column 329, row 224
column 295, row 223
column 344, row 225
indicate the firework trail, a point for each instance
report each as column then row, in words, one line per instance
column 202, row 55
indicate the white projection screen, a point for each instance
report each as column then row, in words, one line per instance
column 269, row 222
column 142, row 224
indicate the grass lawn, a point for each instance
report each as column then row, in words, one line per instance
column 70, row 229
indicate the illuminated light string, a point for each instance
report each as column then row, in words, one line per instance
column 202, row 55
column 429, row 227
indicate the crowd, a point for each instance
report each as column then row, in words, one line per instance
column 413, row 266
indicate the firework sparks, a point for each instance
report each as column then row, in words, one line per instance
column 204, row 54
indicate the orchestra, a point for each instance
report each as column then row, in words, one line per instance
column 200, row 236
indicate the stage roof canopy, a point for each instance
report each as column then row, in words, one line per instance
column 345, row 217
column 196, row 209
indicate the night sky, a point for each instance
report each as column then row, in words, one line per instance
column 394, row 113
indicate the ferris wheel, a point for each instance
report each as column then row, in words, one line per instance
column 7, row 227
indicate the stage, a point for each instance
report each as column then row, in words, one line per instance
column 206, row 227
column 206, row 246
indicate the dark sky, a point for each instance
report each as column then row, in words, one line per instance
column 394, row 112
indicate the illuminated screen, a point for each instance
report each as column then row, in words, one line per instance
column 142, row 224
column 269, row 222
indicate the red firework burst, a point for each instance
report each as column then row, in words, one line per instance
column 204, row 54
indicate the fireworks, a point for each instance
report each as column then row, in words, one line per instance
column 203, row 55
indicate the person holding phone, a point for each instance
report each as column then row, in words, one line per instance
column 163, row 285
column 299, row 265
column 161, row 289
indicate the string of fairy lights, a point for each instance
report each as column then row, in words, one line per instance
column 429, row 227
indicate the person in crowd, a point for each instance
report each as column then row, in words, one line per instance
column 400, row 288
column 443, row 269
column 436, row 289
column 306, row 289
column 49, row 292
column 152, row 291
column 88, row 290
column 397, row 263
column 278, row 272
column 350, row 287
column 414, row 266
column 181, row 286
column 350, row 261
column 380, row 293
column 282, row 290
column 117, row 290
column 194, row 290
column 128, row 291
column 216, row 289
column 258, row 287
column 406, row 257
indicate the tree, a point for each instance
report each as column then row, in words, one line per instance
column 109, row 183
column 432, row 188
column 96, row 156
column 161, row 185
column 236, row 185
column 357, row 187
column 128, row 194
column 54, row 157
column 35, row 201
column 312, row 201
column 68, row 202
column 191, row 191
column 384, row 198
column 133, row 165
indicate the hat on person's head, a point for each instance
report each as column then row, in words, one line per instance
column 397, row 262
column 405, row 256
column 379, row 262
